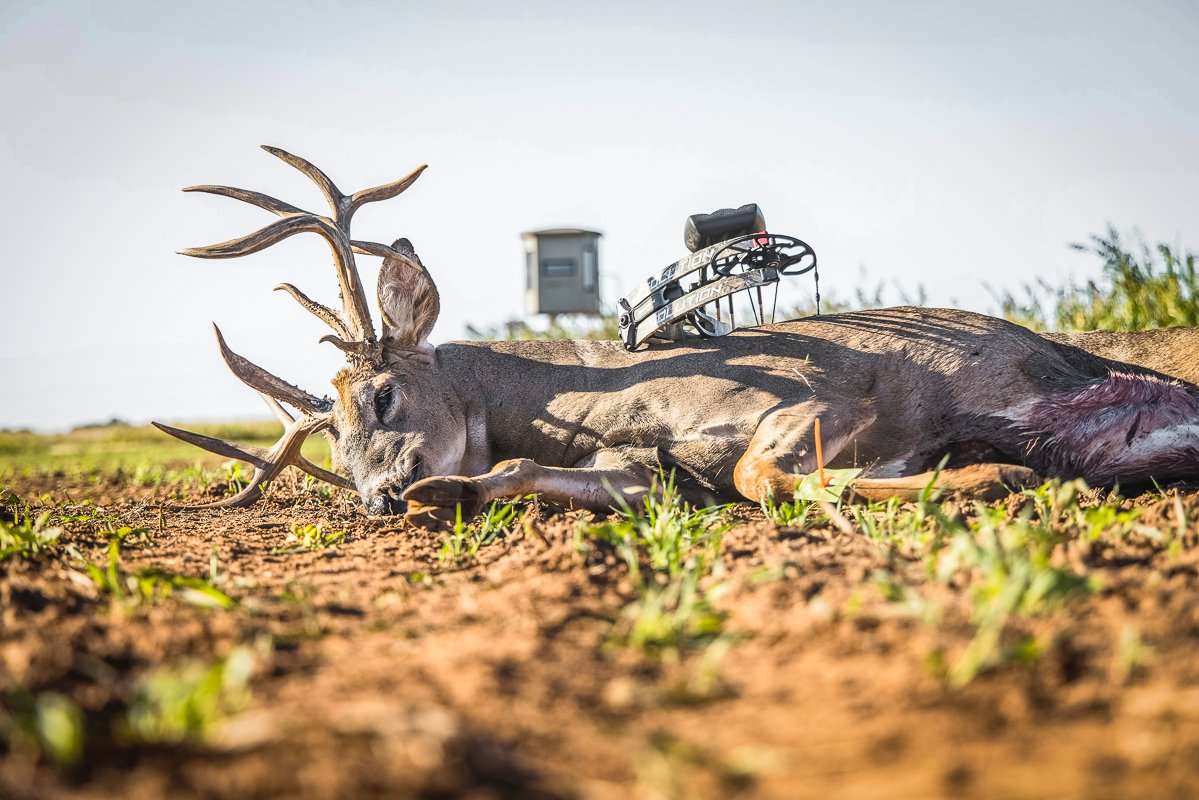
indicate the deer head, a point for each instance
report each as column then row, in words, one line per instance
column 380, row 435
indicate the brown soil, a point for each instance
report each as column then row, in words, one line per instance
column 393, row 674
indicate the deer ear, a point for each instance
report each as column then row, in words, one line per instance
column 408, row 299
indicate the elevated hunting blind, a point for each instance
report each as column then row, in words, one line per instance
column 562, row 271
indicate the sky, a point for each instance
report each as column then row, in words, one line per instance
column 953, row 145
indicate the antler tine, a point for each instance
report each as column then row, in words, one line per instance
column 262, row 381
column 373, row 249
column 337, row 201
column 282, row 414
column 384, row 191
column 351, row 348
column 320, row 473
column 255, row 456
column 322, row 312
column 353, row 296
column 358, row 322
column 233, row 451
column 258, row 457
column 273, row 233
column 259, row 199
column 267, row 466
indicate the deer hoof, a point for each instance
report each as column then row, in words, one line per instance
column 431, row 518
column 433, row 502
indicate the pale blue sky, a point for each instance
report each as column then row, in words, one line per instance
column 948, row 144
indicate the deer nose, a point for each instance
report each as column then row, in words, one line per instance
column 383, row 504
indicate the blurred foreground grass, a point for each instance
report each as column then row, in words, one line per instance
column 136, row 449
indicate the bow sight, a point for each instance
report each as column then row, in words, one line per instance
column 731, row 252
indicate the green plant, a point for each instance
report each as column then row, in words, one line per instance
column 667, row 617
column 665, row 531
column 462, row 544
column 1174, row 538
column 125, row 534
column 908, row 601
column 48, row 722
column 1132, row 654
column 321, row 489
column 784, row 514
column 1058, row 505
column 28, row 537
column 670, row 548
column 310, row 537
column 236, row 477
column 183, row 703
column 807, row 493
column 1006, row 567
column 78, row 513
column 1154, row 288
column 920, row 526
column 1010, row 572
column 669, row 766
column 885, row 522
column 1109, row 520
column 151, row 585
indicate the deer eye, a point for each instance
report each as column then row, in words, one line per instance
column 383, row 399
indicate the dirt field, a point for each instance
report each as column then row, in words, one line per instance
column 874, row 654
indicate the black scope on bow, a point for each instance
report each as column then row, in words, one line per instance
column 702, row 230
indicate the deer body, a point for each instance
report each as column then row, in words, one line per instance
column 896, row 390
column 700, row 401
column 434, row 432
column 1170, row 351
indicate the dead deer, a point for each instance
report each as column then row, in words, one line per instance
column 424, row 430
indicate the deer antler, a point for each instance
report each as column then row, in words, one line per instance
column 267, row 463
column 265, row 383
column 353, row 331
column 354, row 326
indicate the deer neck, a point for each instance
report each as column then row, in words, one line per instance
column 506, row 391
column 477, row 458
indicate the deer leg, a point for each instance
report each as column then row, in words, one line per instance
column 595, row 484
column 982, row 481
column 783, row 446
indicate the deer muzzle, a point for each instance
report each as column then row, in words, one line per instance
column 386, row 497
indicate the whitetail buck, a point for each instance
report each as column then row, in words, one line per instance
column 423, row 429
